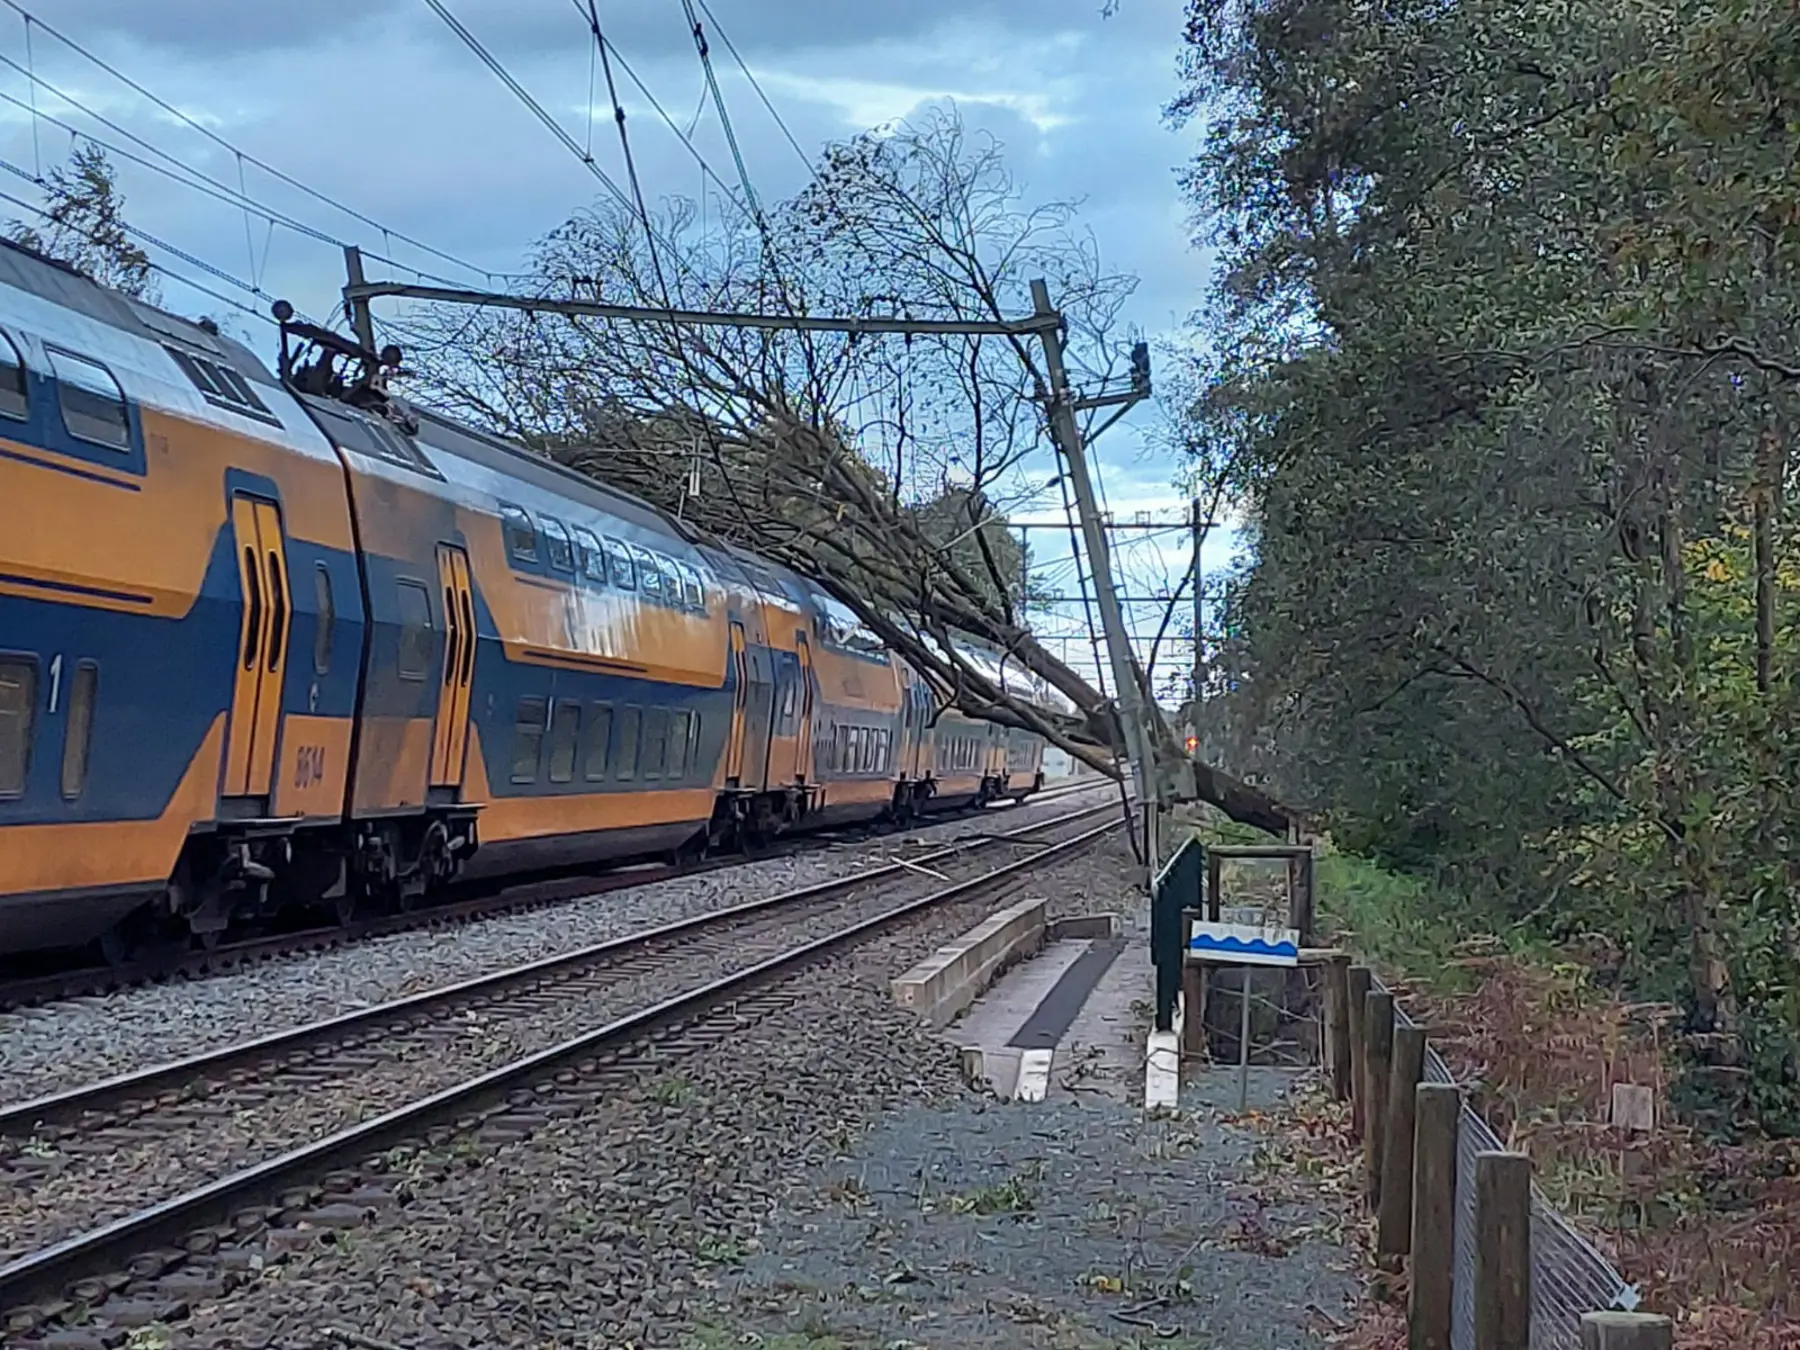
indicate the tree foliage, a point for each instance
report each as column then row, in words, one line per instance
column 83, row 224
column 1501, row 356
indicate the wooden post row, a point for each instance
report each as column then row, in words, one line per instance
column 1193, row 993
column 1502, row 1251
column 1378, row 1053
column 1337, row 1026
column 1360, row 978
column 1437, row 1117
column 1393, row 1231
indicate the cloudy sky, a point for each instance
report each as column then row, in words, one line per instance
column 380, row 107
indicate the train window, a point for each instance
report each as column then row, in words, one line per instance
column 557, row 545
column 625, row 762
column 619, row 564
column 521, row 534
column 78, row 737
column 692, row 589
column 327, row 620
column 789, row 684
column 528, row 739
column 416, row 643
column 693, row 745
column 220, row 384
column 655, row 758
column 678, row 744
column 18, row 705
column 592, row 560
column 15, row 390
column 93, row 405
column 565, row 731
column 599, row 738
column 650, row 578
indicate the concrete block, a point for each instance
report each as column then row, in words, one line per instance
column 948, row 981
column 1083, row 926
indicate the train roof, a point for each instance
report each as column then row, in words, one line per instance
column 503, row 456
column 60, row 283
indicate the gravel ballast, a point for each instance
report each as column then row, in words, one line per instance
column 238, row 1117
column 822, row 1182
column 61, row 1045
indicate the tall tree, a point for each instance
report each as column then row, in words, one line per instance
column 83, row 225
column 1499, row 356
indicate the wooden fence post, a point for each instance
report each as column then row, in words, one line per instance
column 1378, row 1054
column 1626, row 1331
column 1337, row 1025
column 1193, row 993
column 1360, row 979
column 1393, row 1232
column 1502, row 1251
column 1437, row 1117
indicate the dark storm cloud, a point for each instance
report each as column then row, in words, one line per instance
column 213, row 28
column 379, row 103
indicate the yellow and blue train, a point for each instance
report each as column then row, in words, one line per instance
column 274, row 640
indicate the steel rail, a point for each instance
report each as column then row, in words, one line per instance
column 26, row 1117
column 46, row 1274
column 498, row 897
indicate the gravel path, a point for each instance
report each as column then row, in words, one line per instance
column 823, row 1183
column 61, row 1045
column 1076, row 1226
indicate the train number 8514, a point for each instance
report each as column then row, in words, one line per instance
column 309, row 766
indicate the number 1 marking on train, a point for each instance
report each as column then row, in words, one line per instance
column 55, row 681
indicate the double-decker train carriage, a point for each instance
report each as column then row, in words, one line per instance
column 273, row 642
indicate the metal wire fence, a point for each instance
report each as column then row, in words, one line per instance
column 1569, row 1276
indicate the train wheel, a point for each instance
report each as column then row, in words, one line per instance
column 116, row 946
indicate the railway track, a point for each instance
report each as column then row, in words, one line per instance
column 29, row 990
column 163, row 1184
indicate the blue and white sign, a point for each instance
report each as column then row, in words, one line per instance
column 1240, row 944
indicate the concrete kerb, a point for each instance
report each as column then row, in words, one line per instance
column 950, row 979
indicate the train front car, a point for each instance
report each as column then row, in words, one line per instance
column 180, row 620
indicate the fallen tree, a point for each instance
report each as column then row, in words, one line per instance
column 843, row 456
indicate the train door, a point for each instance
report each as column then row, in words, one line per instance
column 262, row 647
column 759, row 715
column 451, row 736
column 734, row 751
column 804, row 752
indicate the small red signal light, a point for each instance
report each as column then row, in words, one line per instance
column 1193, row 744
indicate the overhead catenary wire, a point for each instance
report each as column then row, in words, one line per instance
column 173, row 250
column 755, row 84
column 524, row 95
column 537, row 110
column 184, row 174
column 154, row 266
column 606, row 47
column 631, row 173
column 718, row 98
column 194, row 124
